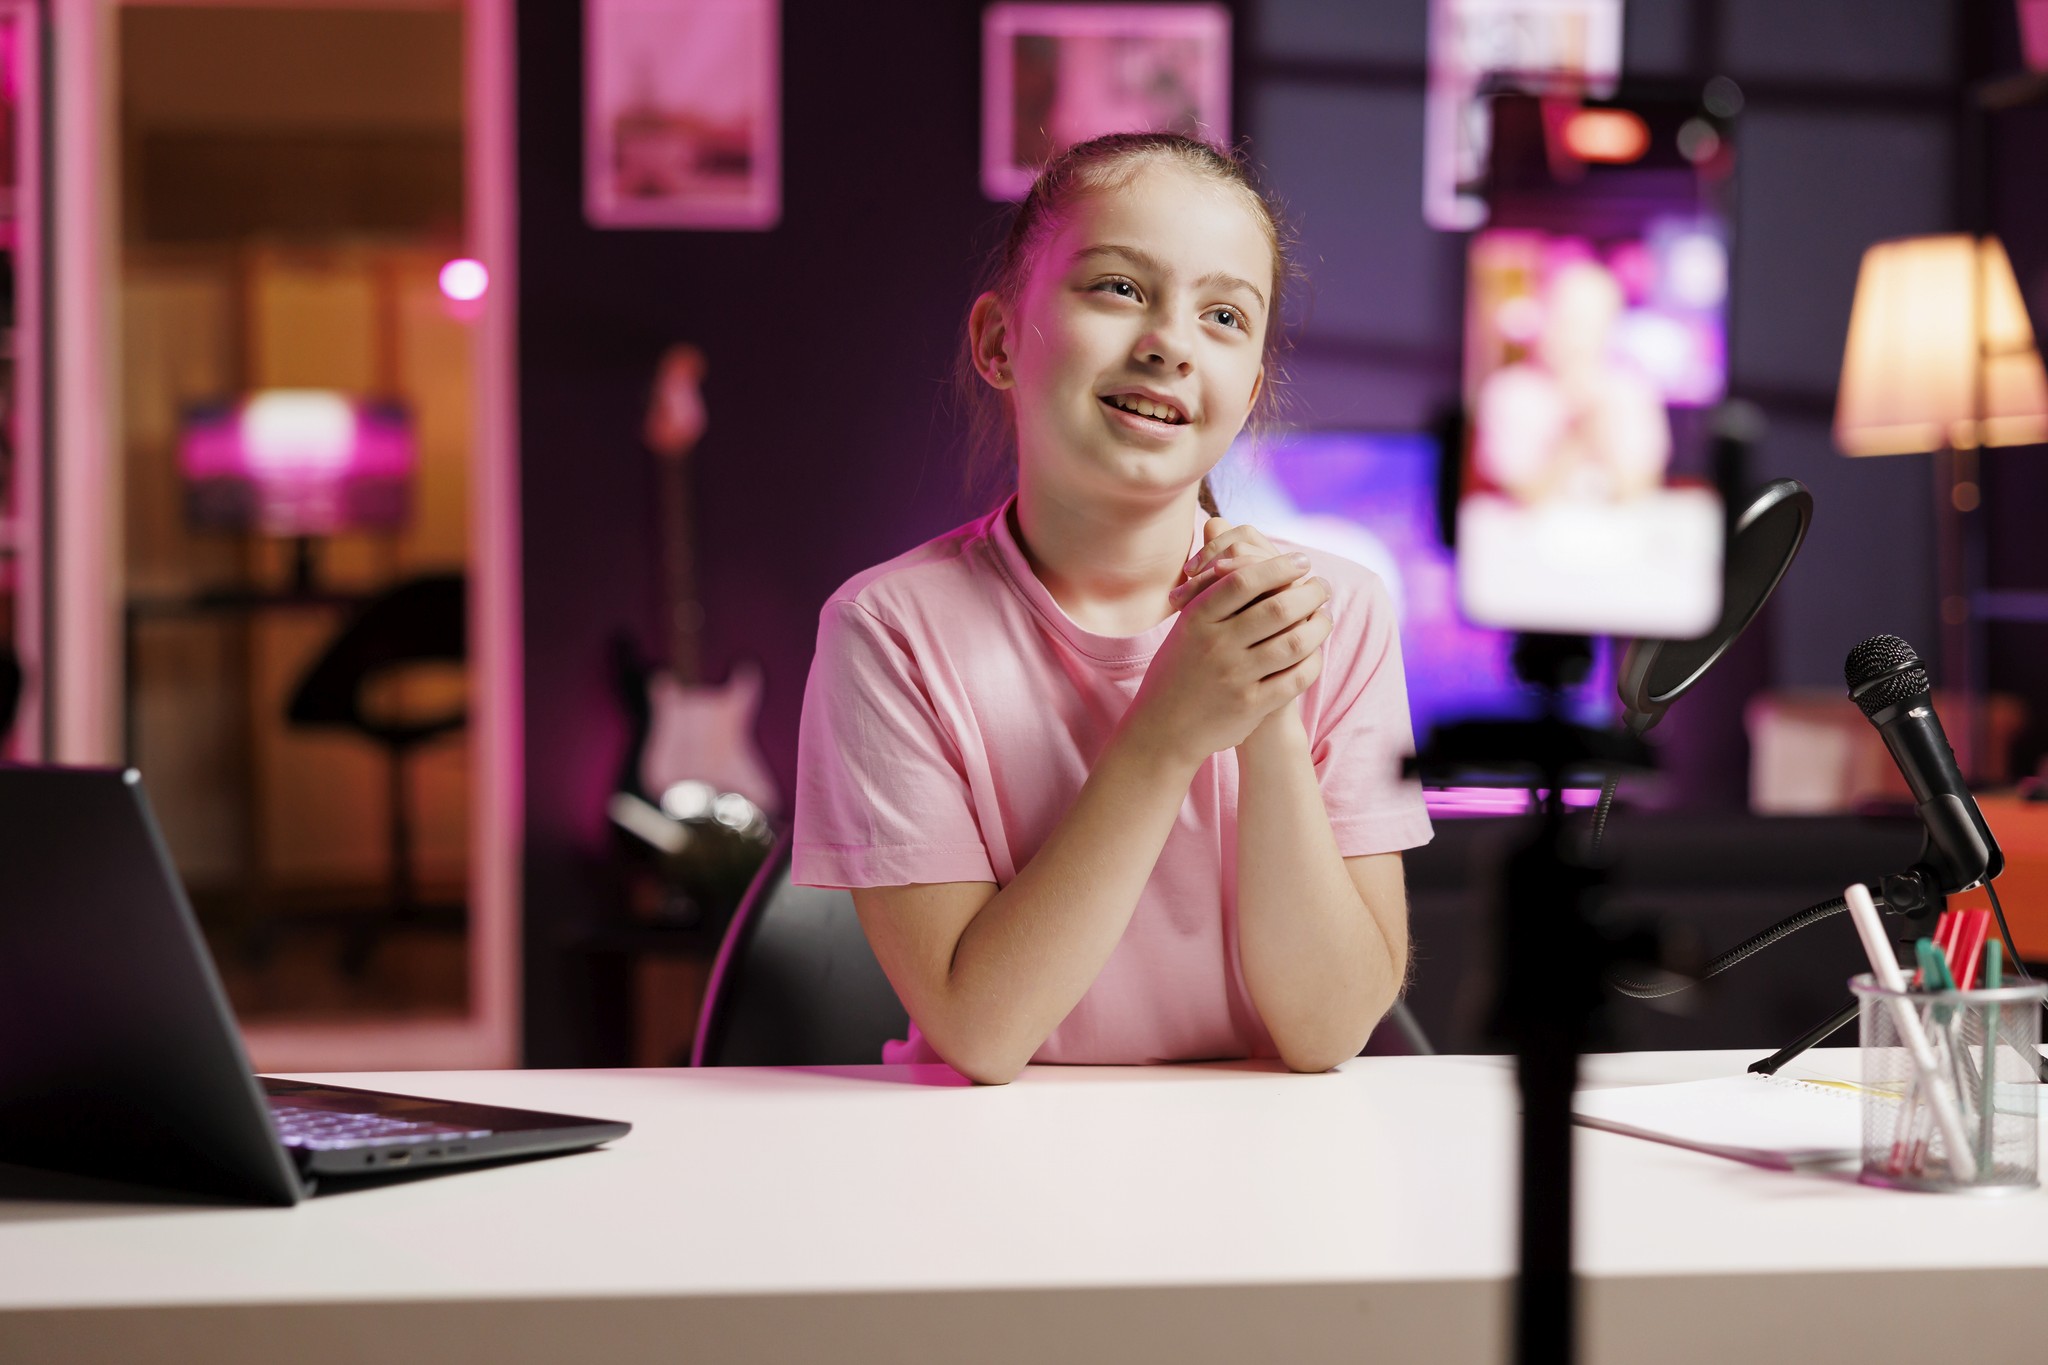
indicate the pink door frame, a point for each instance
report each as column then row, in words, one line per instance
column 84, row 661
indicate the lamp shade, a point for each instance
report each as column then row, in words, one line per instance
column 1940, row 354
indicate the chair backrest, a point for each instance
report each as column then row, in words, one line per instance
column 795, row 983
column 418, row 620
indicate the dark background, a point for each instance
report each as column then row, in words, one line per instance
column 834, row 442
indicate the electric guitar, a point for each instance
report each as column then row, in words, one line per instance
column 694, row 786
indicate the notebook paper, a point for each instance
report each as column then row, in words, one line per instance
column 1781, row 1122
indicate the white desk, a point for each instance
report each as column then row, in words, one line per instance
column 1182, row 1214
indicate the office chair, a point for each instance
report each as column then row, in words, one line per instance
column 419, row 620
column 796, row 984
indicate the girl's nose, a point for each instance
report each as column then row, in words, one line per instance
column 1166, row 344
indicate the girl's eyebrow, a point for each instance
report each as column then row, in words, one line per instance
column 1145, row 260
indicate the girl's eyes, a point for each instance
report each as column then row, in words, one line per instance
column 1123, row 288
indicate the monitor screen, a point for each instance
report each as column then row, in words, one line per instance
column 297, row 462
column 1371, row 496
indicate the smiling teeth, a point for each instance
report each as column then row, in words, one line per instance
column 1145, row 407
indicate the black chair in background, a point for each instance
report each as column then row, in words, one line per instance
column 796, row 984
column 419, row 621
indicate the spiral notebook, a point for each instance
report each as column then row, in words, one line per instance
column 1779, row 1121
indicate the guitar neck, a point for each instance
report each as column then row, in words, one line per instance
column 679, row 561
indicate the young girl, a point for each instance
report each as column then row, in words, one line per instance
column 1111, row 779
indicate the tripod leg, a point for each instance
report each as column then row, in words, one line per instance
column 1811, row 1038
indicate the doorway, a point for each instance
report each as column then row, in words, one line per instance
column 310, row 484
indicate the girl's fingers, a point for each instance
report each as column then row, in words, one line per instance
column 1281, row 652
column 1307, row 659
column 1191, row 586
column 1238, row 541
column 1279, row 612
column 1188, row 587
column 1240, row 586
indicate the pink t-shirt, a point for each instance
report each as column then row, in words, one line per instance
column 953, row 712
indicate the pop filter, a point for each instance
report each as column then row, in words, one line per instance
column 1761, row 546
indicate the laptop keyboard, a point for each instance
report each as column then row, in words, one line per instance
column 325, row 1130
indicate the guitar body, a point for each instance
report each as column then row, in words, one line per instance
column 705, row 734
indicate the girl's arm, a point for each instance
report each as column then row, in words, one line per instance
column 988, row 974
column 1324, row 938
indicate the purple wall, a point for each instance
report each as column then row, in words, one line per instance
column 832, row 442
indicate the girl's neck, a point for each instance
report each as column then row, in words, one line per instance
column 1109, row 568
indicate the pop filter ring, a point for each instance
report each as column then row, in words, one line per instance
column 1643, row 700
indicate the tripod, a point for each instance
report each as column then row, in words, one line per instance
column 1917, row 895
column 1554, row 951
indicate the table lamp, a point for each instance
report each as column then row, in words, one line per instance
column 1941, row 359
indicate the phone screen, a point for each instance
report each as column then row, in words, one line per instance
column 1595, row 330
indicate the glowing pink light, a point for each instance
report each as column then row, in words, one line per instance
column 464, row 280
column 1462, row 802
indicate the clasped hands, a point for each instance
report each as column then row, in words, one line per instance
column 1248, row 642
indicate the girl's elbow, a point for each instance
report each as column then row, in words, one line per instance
column 981, row 1064
column 991, row 1075
column 1325, row 1053
column 1313, row 1063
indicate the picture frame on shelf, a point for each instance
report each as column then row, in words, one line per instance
column 1056, row 75
column 682, row 114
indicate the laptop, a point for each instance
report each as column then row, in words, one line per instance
column 119, row 1057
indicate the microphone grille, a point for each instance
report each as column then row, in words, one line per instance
column 1883, row 671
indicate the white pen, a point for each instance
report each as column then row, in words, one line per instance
column 1884, row 967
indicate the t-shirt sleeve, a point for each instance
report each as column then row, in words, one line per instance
column 882, row 797
column 1363, row 732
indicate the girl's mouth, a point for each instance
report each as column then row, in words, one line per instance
column 1161, row 413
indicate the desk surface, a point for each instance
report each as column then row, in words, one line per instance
column 893, row 1208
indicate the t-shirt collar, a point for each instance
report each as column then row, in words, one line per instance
column 1105, row 648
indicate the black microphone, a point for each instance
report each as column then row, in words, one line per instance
column 1888, row 683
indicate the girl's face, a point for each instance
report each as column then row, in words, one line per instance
column 1137, row 343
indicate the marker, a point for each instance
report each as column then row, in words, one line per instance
column 1884, row 968
column 1994, row 977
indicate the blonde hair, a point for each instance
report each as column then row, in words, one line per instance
column 1106, row 163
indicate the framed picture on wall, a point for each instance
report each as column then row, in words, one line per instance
column 682, row 113
column 1055, row 75
column 1545, row 46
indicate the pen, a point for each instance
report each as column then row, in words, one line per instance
column 1968, row 948
column 1884, row 968
column 1994, row 977
column 1948, row 1043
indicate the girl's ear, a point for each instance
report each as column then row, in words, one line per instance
column 1258, row 387
column 988, row 340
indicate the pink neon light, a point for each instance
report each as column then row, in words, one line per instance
column 1457, row 803
column 286, row 433
column 464, row 280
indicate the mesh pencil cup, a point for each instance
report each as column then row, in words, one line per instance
column 1983, row 1089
